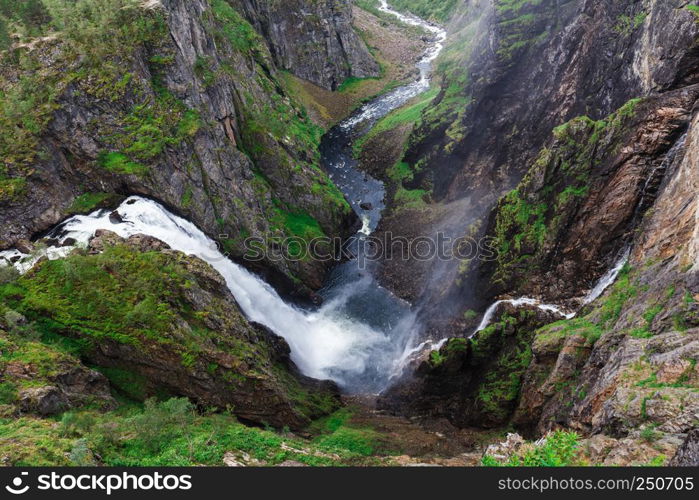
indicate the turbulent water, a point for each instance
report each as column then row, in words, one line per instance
column 362, row 332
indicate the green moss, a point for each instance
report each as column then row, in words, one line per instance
column 94, row 31
column 119, row 163
column 409, row 114
column 87, row 202
column 441, row 11
column 12, row 189
column 531, row 216
column 236, row 29
column 626, row 25
column 131, row 384
column 622, row 290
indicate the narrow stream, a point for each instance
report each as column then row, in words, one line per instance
column 360, row 334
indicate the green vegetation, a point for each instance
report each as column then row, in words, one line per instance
column 87, row 202
column 559, row 450
column 453, row 347
column 120, row 295
column 409, row 114
column 529, row 217
column 236, row 29
column 170, row 433
column 519, row 31
column 92, row 33
column 626, row 25
column 441, row 11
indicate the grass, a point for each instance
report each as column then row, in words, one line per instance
column 440, row 11
column 409, row 114
column 168, row 433
column 119, row 163
column 87, row 202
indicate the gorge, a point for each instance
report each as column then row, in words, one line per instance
column 138, row 168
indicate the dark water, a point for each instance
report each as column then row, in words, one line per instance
column 352, row 284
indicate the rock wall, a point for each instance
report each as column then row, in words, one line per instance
column 513, row 73
column 314, row 40
column 193, row 115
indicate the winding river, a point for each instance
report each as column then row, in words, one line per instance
column 362, row 332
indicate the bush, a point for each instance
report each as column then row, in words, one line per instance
column 161, row 422
column 559, row 450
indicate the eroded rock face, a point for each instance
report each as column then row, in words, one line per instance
column 242, row 159
column 314, row 40
column 688, row 453
column 525, row 71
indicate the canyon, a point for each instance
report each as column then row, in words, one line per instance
column 138, row 167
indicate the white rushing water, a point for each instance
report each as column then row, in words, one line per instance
column 362, row 332
column 324, row 343
column 522, row 301
column 608, row 279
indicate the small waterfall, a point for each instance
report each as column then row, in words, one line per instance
column 522, row 301
column 608, row 279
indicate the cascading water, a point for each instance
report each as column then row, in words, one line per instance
column 522, row 301
column 362, row 331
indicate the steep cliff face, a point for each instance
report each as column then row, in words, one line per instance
column 621, row 174
column 314, row 40
column 181, row 104
column 514, row 72
column 531, row 66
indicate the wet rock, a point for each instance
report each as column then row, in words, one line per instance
column 69, row 242
column 146, row 243
column 116, row 218
column 24, row 246
column 366, row 206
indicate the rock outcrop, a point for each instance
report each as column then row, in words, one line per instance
column 314, row 40
column 188, row 111
column 155, row 322
column 514, row 74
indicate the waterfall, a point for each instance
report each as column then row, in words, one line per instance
column 362, row 332
column 609, row 278
column 325, row 344
column 522, row 301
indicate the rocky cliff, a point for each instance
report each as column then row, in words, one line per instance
column 181, row 103
column 313, row 40
column 606, row 92
column 513, row 75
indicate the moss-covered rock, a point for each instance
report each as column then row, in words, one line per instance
column 158, row 322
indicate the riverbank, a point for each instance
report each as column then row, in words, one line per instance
column 396, row 46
